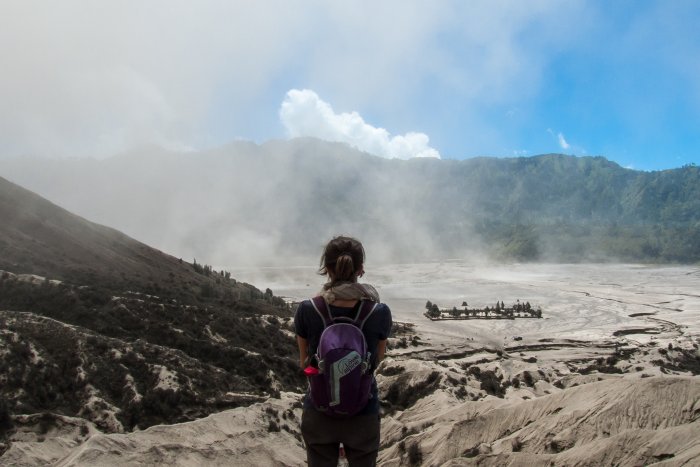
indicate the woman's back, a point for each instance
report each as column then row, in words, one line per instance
column 342, row 262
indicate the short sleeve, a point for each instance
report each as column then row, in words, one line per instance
column 385, row 325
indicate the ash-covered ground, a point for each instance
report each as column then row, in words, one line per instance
column 608, row 376
column 579, row 301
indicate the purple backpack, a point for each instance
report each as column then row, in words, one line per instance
column 344, row 380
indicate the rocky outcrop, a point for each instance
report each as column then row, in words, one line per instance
column 264, row 434
column 617, row 421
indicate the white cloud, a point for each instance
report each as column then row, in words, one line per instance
column 94, row 78
column 565, row 145
column 303, row 113
column 562, row 141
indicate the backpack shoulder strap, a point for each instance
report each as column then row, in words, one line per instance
column 366, row 309
column 321, row 307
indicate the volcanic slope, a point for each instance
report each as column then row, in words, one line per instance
column 38, row 237
column 96, row 325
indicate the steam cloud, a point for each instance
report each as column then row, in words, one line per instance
column 303, row 113
column 562, row 141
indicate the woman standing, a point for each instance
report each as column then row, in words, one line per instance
column 342, row 263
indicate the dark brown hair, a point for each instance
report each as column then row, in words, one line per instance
column 343, row 257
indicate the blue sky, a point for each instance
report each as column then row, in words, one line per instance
column 399, row 79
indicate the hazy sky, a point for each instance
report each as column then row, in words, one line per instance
column 446, row 79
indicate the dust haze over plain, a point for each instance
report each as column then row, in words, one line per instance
column 273, row 204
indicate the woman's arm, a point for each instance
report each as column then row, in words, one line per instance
column 303, row 351
column 381, row 350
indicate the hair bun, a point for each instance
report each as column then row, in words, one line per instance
column 342, row 259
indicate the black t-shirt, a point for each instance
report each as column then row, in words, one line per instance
column 309, row 325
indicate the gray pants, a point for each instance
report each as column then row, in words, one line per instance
column 323, row 435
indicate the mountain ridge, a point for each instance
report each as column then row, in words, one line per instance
column 261, row 204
